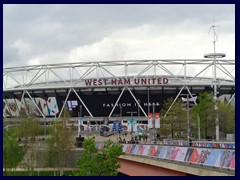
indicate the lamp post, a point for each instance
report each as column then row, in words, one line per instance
column 148, row 101
column 139, row 101
column 188, row 128
column 120, row 111
column 79, row 124
column 187, row 108
column 188, row 121
column 215, row 55
column 45, row 124
column 154, row 130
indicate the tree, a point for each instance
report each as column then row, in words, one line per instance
column 205, row 109
column 59, row 144
column 226, row 115
column 13, row 152
column 175, row 121
column 96, row 162
column 28, row 131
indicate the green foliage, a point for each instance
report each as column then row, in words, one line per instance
column 38, row 173
column 226, row 115
column 175, row 122
column 96, row 162
column 13, row 152
column 206, row 111
column 58, row 145
column 28, row 129
column 42, row 131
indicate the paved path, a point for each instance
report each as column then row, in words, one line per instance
column 115, row 137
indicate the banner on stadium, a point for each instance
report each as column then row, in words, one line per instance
column 194, row 99
column 129, row 125
column 150, row 118
column 135, row 125
column 157, row 120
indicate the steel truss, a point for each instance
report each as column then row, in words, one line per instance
column 73, row 75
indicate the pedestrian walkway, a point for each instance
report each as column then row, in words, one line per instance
column 115, row 138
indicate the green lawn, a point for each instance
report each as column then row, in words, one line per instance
column 36, row 173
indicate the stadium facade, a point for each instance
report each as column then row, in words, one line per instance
column 111, row 88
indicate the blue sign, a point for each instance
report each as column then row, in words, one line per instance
column 114, row 126
column 134, row 121
column 119, row 126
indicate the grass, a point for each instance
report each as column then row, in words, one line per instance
column 38, row 173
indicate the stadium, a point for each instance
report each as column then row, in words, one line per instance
column 112, row 88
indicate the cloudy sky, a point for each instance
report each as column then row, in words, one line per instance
column 43, row 34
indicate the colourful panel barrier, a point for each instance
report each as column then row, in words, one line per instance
column 203, row 144
column 221, row 158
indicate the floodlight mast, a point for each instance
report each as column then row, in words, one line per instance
column 215, row 55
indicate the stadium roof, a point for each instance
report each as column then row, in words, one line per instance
column 111, row 74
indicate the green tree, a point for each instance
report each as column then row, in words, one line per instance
column 96, row 162
column 13, row 152
column 59, row 144
column 206, row 112
column 175, row 121
column 28, row 130
column 226, row 115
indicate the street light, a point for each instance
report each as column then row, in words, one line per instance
column 139, row 101
column 79, row 123
column 154, row 130
column 188, row 122
column 188, row 127
column 215, row 55
column 120, row 111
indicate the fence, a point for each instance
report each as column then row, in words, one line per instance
column 220, row 158
column 204, row 144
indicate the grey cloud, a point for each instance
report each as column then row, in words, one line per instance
column 61, row 28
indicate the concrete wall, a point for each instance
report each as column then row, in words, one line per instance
column 143, row 166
